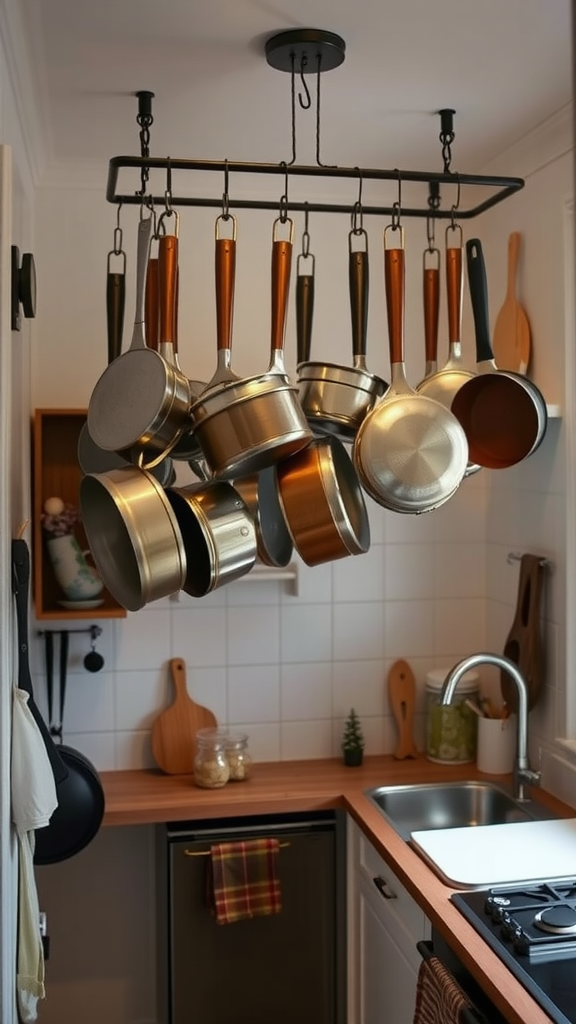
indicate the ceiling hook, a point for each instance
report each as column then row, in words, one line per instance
column 307, row 103
column 283, row 211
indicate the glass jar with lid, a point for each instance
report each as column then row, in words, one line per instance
column 239, row 757
column 211, row 767
column 451, row 729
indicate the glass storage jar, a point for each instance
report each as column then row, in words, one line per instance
column 239, row 757
column 211, row 768
column 451, row 729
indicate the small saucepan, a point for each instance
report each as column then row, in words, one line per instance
column 336, row 398
column 246, row 424
column 323, row 503
column 503, row 414
column 141, row 401
column 218, row 533
column 133, row 535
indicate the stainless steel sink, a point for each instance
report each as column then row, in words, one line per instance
column 452, row 805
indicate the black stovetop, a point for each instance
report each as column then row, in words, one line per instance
column 544, row 963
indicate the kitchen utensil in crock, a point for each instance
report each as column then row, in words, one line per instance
column 80, row 810
column 503, row 414
column 323, row 502
column 246, row 424
column 402, row 696
column 218, row 533
column 133, row 535
column 410, row 451
column 511, row 340
column 174, row 730
column 524, row 641
column 443, row 385
column 141, row 400
column 431, row 303
column 336, row 398
column 274, row 545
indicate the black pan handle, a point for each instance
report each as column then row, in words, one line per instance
column 479, row 298
column 358, row 281
column 115, row 304
column 20, row 587
column 64, row 643
column 304, row 311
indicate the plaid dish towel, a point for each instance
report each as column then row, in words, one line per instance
column 439, row 998
column 244, row 881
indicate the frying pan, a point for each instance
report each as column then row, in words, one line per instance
column 323, row 503
column 502, row 413
column 246, row 424
column 80, row 809
column 410, row 451
column 444, row 384
column 431, row 297
column 91, row 458
column 335, row 398
column 141, row 400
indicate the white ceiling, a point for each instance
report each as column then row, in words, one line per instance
column 504, row 65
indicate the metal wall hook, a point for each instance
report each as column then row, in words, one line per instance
column 516, row 556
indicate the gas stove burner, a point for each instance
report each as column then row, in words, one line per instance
column 557, row 920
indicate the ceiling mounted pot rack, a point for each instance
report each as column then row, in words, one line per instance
column 303, row 52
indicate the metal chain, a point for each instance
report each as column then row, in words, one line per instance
column 446, row 138
column 145, row 124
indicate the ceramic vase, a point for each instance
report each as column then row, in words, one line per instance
column 79, row 580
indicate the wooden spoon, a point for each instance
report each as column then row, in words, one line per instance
column 174, row 730
column 524, row 643
column 402, row 694
column 511, row 339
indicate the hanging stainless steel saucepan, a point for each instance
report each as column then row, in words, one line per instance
column 323, row 502
column 218, row 532
column 431, row 301
column 410, row 452
column 443, row 385
column 336, row 398
column 142, row 401
column 244, row 425
column 502, row 413
column 133, row 535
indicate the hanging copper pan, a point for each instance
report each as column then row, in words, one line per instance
column 503, row 414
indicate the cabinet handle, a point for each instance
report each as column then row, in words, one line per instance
column 383, row 888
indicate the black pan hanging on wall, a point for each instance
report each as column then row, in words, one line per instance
column 80, row 809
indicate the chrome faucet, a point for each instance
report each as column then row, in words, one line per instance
column 522, row 771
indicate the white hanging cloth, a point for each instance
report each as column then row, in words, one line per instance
column 34, row 800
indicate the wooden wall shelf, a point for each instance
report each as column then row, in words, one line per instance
column 56, row 472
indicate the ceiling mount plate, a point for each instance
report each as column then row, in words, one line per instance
column 305, row 50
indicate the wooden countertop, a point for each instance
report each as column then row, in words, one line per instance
column 145, row 797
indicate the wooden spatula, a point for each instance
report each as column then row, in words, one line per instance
column 174, row 730
column 511, row 340
column 524, row 643
column 402, row 694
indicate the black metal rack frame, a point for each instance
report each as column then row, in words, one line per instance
column 503, row 186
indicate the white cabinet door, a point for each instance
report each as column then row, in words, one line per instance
column 385, row 925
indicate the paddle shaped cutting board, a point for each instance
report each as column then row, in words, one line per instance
column 524, row 641
column 511, row 339
column 402, row 694
column 174, row 730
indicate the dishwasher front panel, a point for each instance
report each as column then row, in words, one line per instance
column 282, row 968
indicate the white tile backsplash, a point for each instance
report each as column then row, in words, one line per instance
column 254, row 693
column 306, row 633
column 306, row 691
column 253, row 634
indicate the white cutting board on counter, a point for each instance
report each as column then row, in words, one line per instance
column 484, row 855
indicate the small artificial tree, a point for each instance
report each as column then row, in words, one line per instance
column 353, row 740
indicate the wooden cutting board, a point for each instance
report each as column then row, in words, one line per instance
column 174, row 730
column 511, row 340
column 402, row 694
column 524, row 641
